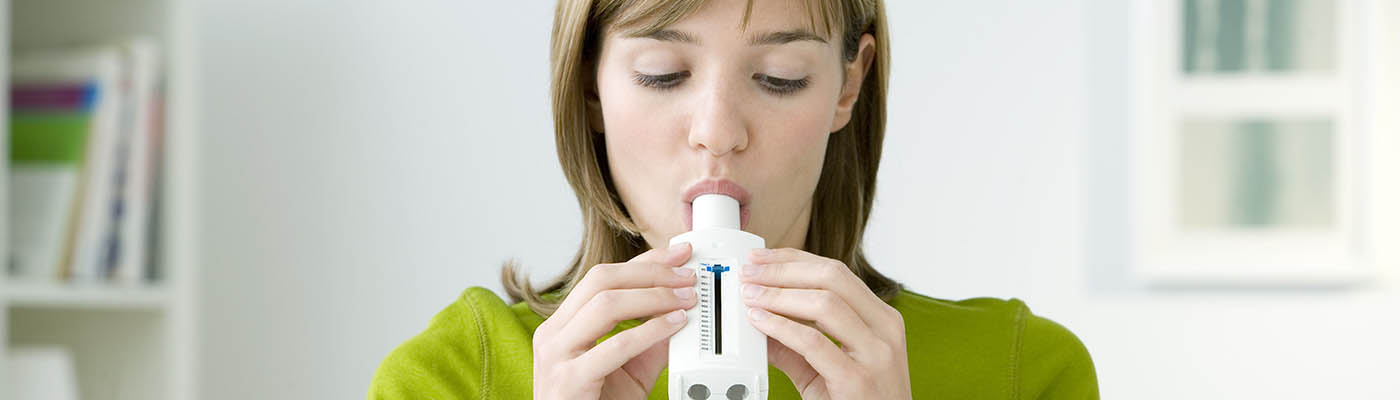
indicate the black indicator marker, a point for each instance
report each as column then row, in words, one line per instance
column 715, row 298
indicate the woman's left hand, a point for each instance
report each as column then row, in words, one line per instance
column 870, row 363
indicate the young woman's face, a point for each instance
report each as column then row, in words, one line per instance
column 702, row 101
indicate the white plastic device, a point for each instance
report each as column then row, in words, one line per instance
column 718, row 354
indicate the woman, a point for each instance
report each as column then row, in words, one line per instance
column 780, row 104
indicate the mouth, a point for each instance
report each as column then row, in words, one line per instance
column 718, row 186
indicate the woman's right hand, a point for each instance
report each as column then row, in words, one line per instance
column 568, row 365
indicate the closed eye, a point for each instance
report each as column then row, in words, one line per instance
column 660, row 82
column 771, row 84
column 780, row 86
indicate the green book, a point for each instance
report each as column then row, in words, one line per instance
column 64, row 121
column 46, row 154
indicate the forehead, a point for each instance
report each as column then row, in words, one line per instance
column 642, row 18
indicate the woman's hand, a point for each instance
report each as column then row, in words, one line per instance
column 568, row 365
column 871, row 362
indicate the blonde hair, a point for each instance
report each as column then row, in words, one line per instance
column 845, row 192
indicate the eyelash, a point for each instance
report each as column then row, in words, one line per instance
column 777, row 86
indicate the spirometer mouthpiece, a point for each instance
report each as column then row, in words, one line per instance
column 714, row 211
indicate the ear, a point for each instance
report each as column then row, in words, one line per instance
column 592, row 102
column 855, row 75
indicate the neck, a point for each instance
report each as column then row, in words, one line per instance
column 796, row 234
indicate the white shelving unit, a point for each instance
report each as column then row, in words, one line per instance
column 1250, row 135
column 58, row 296
column 127, row 342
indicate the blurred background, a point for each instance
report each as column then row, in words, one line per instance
column 225, row 199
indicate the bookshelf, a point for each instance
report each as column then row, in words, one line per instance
column 135, row 341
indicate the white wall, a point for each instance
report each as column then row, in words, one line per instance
column 1219, row 344
column 363, row 163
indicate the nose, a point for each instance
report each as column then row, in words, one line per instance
column 717, row 123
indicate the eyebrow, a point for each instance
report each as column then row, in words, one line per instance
column 764, row 39
column 785, row 37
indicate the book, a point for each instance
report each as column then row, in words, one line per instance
column 40, row 372
column 82, row 161
column 49, row 126
column 140, row 150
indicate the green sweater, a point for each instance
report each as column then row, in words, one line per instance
column 982, row 348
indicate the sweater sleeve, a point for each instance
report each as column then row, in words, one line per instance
column 1053, row 363
column 446, row 361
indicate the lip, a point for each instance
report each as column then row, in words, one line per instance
column 719, row 186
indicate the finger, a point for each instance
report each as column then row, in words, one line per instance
column 647, row 366
column 823, row 355
column 830, row 312
column 792, row 268
column 621, row 276
column 792, row 364
column 622, row 347
column 608, row 308
column 675, row 255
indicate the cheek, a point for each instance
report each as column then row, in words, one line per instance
column 630, row 120
column 792, row 149
column 641, row 155
column 637, row 134
column 796, row 142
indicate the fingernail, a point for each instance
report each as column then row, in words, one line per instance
column 751, row 291
column 758, row 314
column 675, row 317
column 683, row 271
column 762, row 252
column 678, row 246
column 751, row 270
column 685, row 293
